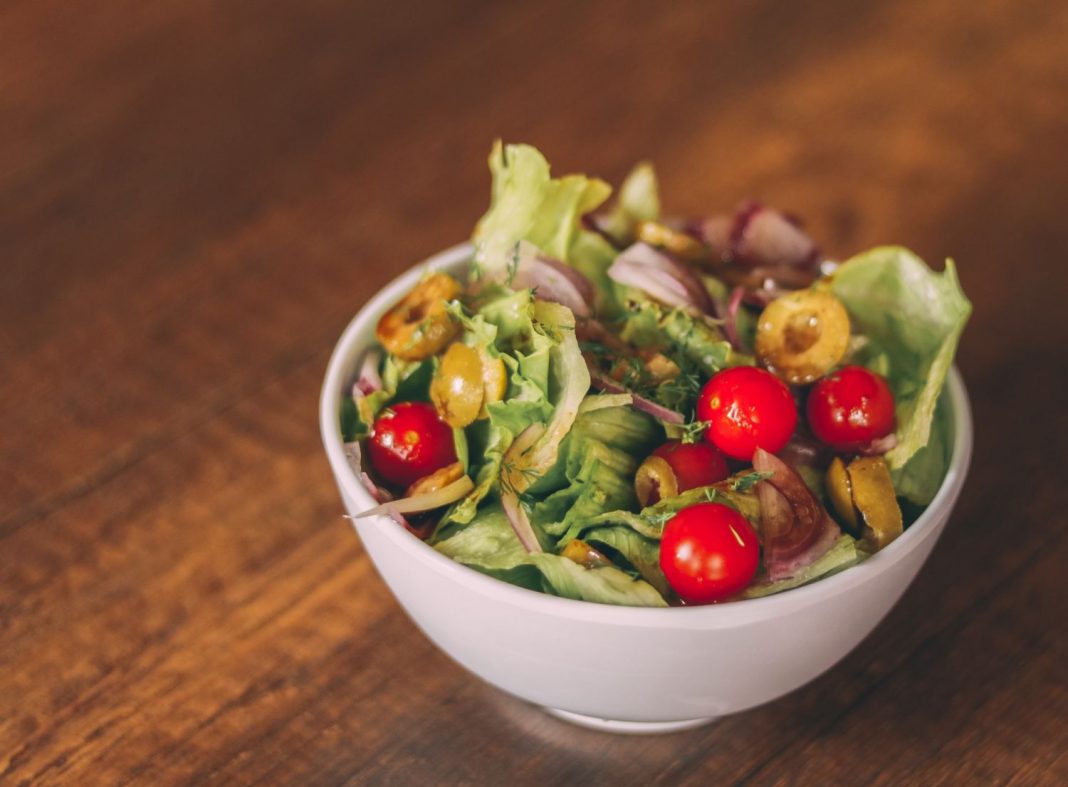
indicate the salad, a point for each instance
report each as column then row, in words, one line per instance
column 622, row 408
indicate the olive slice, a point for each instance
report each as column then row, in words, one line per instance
column 655, row 481
column 802, row 335
column 680, row 244
column 841, row 495
column 439, row 479
column 457, row 389
column 494, row 380
column 582, row 553
column 874, row 497
column 419, row 325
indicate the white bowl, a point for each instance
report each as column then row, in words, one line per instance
column 623, row 668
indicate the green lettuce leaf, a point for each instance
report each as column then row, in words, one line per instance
column 651, row 528
column 914, row 318
column 526, row 402
column 640, row 552
column 352, row 426
column 569, row 381
column 402, row 381
column 744, row 501
column 736, row 492
column 414, row 383
column 696, row 345
column 920, row 478
column 702, row 344
column 594, row 471
column 487, row 542
column 528, row 204
column 489, row 545
column 504, row 323
column 689, row 339
column 546, row 385
column 638, row 200
column 606, row 585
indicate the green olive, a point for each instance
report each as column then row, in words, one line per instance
column 582, row 553
column 439, row 479
column 841, row 494
column 874, row 497
column 680, row 244
column 419, row 325
column 802, row 335
column 457, row 389
column 494, row 380
column 655, row 481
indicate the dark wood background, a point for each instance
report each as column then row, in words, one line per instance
column 196, row 197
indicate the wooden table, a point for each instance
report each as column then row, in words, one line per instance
column 196, row 197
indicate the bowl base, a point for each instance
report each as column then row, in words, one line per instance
column 628, row 727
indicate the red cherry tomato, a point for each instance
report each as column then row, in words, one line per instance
column 850, row 408
column 694, row 464
column 409, row 442
column 747, row 408
column 708, row 553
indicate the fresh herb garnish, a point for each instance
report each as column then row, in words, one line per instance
column 693, row 431
column 748, row 481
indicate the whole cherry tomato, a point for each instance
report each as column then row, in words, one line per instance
column 694, row 464
column 747, row 408
column 708, row 552
column 850, row 408
column 409, row 442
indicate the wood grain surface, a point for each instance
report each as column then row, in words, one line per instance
column 196, row 197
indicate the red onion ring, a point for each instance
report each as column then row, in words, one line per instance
column 730, row 325
column 763, row 236
column 355, row 456
column 878, row 446
column 368, row 380
column 603, row 382
column 662, row 278
column 796, row 529
column 555, row 281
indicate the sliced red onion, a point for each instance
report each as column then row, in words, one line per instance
column 661, row 277
column 354, row 454
column 427, row 501
column 743, row 214
column 797, row 530
column 380, row 495
column 554, row 281
column 603, row 382
column 878, row 446
column 368, row 380
column 730, row 319
column 763, row 236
